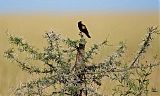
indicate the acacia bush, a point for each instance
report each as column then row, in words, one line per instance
column 66, row 69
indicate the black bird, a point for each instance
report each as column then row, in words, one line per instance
column 83, row 29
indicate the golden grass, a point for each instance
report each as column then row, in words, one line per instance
column 128, row 27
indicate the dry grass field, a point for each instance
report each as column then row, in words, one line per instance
column 127, row 27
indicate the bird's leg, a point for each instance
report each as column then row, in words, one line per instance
column 81, row 35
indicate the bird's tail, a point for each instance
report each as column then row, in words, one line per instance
column 88, row 36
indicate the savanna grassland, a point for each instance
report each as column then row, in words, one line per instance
column 127, row 27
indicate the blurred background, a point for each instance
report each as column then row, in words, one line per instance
column 119, row 20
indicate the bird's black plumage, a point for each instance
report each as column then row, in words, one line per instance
column 83, row 29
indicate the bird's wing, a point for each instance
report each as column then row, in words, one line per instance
column 84, row 27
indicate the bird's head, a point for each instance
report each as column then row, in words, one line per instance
column 80, row 22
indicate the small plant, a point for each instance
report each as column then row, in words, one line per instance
column 64, row 67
